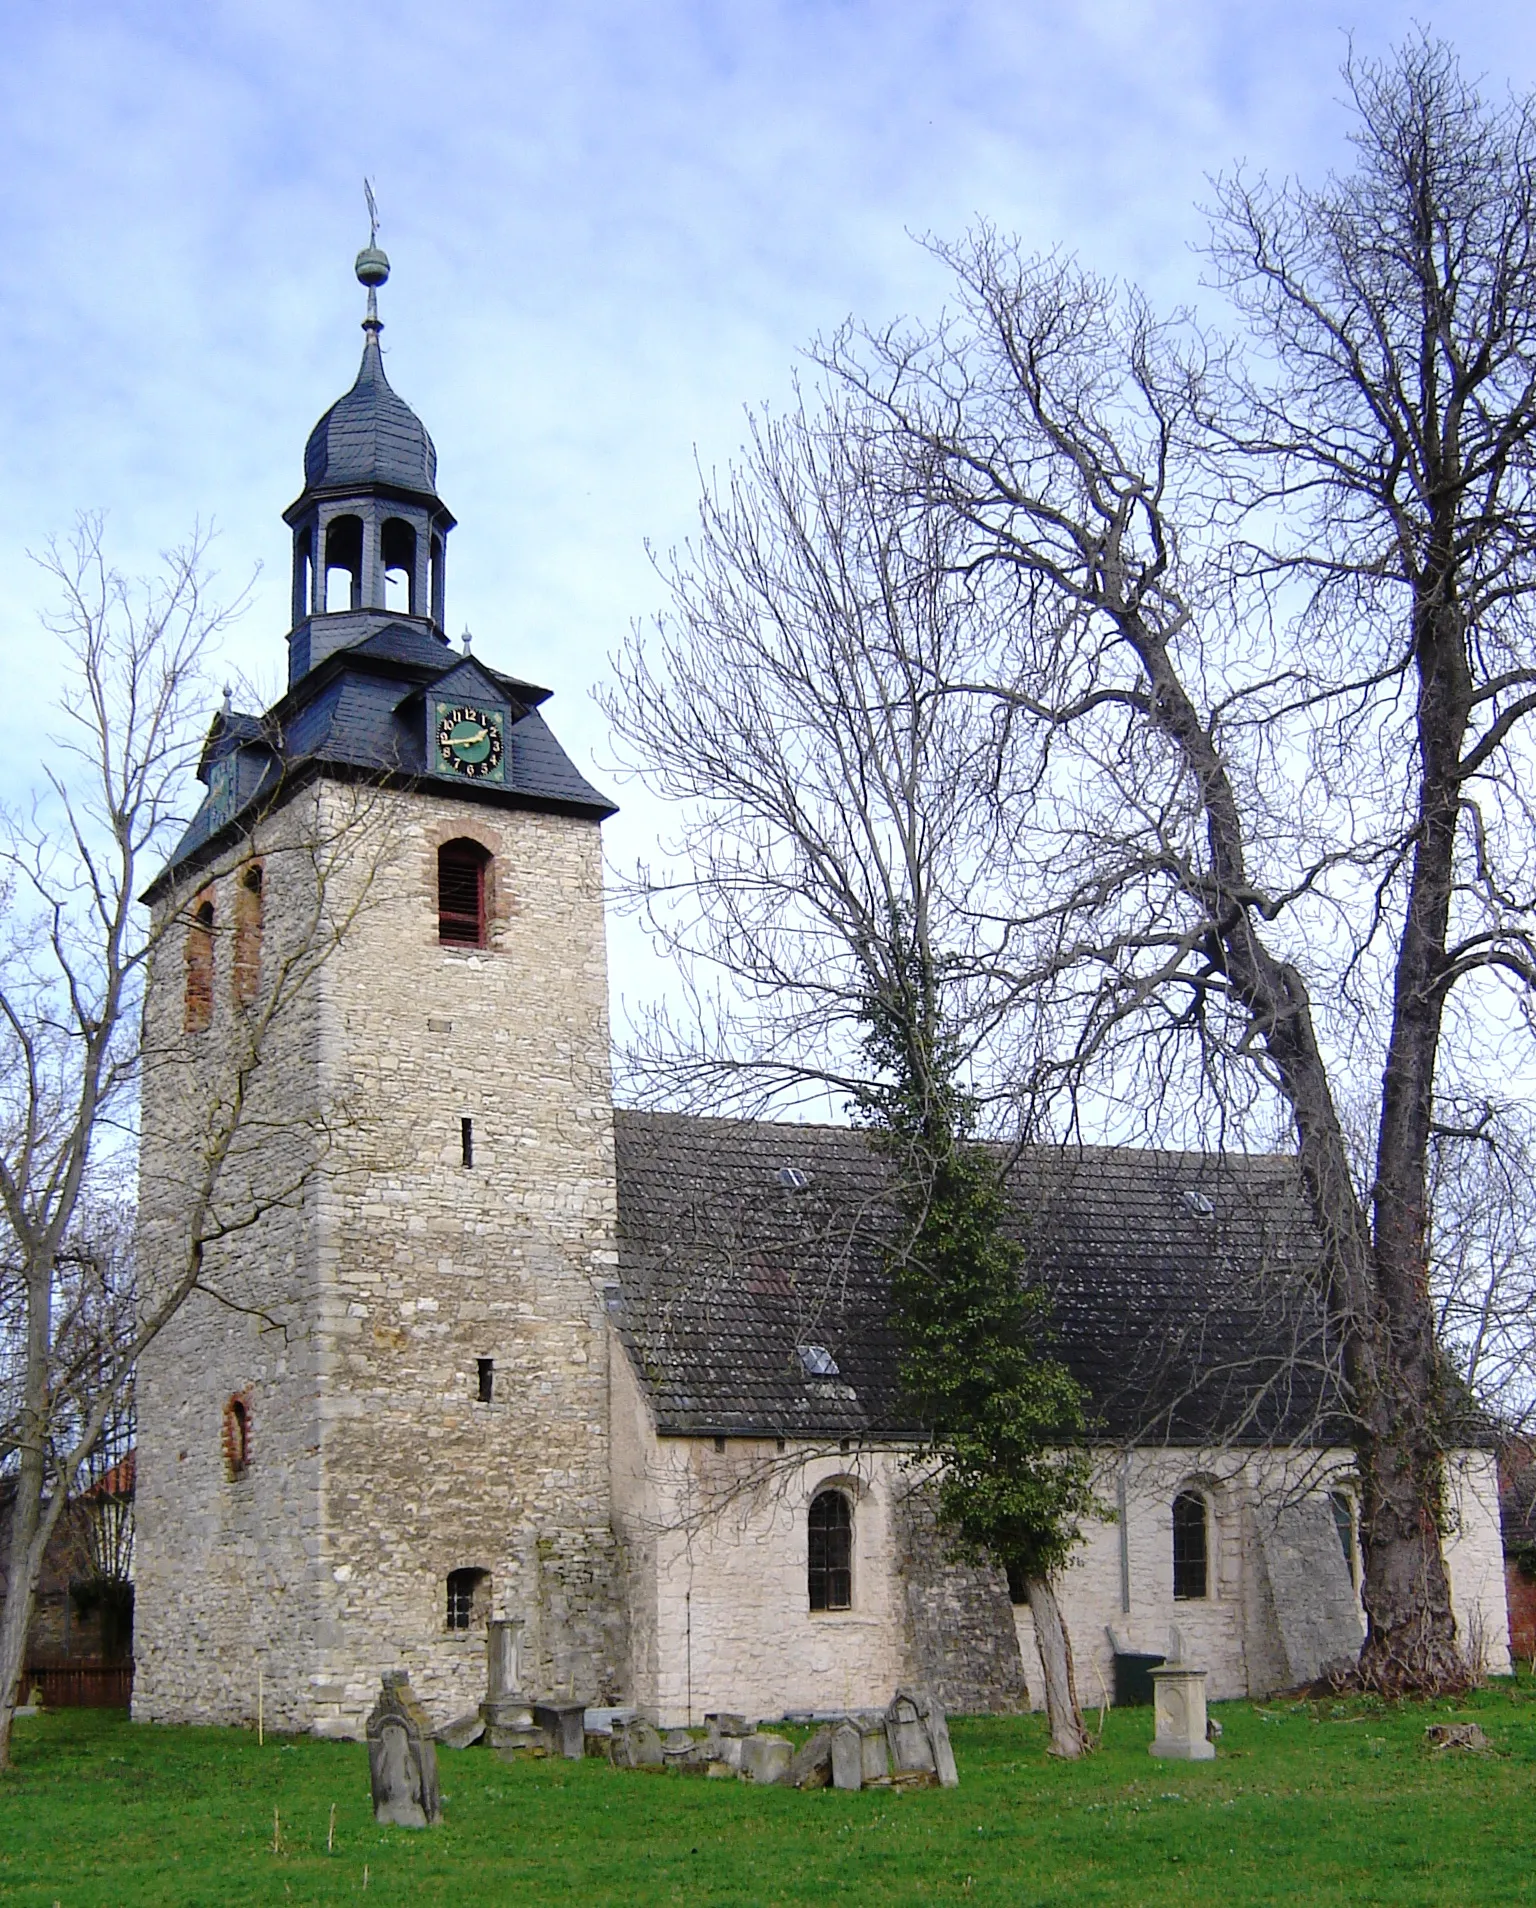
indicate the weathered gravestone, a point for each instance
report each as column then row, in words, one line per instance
column 811, row 1765
column 918, row 1736
column 562, row 1725
column 402, row 1763
column 875, row 1751
column 636, row 1745
column 847, row 1757
column 766, row 1758
column 462, row 1731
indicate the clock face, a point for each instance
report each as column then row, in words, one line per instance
column 222, row 785
column 469, row 741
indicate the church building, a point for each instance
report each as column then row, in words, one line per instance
column 469, row 1342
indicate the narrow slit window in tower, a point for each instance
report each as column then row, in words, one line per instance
column 467, row 1141
column 199, row 998
column 485, row 1380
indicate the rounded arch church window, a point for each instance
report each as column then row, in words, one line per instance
column 829, row 1552
column 1191, row 1547
column 198, row 1011
column 343, row 564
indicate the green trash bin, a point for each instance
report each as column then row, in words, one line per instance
column 1133, row 1678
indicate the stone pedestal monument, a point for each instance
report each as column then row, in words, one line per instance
column 1178, row 1701
column 508, row 1714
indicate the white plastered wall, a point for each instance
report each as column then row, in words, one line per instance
column 716, row 1547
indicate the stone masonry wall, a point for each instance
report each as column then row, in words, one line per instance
column 376, row 1470
column 227, row 1581
column 429, row 1265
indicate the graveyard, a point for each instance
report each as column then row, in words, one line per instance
column 1326, row 1801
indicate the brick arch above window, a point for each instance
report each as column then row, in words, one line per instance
column 499, row 902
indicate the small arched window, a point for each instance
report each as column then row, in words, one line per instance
column 397, row 548
column 199, row 992
column 248, row 892
column 237, row 1436
column 829, row 1575
column 469, row 1599
column 1191, row 1548
column 462, row 868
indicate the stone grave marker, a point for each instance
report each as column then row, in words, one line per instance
column 907, row 1733
column 562, row 1726
column 847, row 1756
column 636, row 1745
column 811, row 1765
column 402, row 1763
column 766, row 1758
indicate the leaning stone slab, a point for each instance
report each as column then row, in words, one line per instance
column 402, row 1763
column 847, row 1757
column 460, row 1733
column 937, row 1725
column 811, row 1765
column 766, row 1758
column 1178, row 1702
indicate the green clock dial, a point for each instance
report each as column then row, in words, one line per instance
column 469, row 740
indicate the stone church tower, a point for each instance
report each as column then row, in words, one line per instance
column 386, row 1415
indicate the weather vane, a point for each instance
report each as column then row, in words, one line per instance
column 372, row 263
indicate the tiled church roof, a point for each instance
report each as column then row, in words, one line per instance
column 1178, row 1284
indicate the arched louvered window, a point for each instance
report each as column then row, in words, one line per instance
column 829, row 1577
column 462, row 869
column 1191, row 1547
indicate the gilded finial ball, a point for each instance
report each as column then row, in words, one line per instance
column 372, row 267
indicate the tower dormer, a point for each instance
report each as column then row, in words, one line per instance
column 369, row 529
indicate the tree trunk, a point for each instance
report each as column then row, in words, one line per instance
column 1069, row 1739
column 21, row 1578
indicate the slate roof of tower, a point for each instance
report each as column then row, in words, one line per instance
column 370, row 436
column 362, row 711
column 1177, row 1282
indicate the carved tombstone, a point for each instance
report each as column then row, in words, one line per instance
column 907, row 1732
column 402, row 1763
column 937, row 1725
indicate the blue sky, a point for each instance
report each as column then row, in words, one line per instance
column 613, row 224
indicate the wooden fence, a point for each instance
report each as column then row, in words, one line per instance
column 80, row 1685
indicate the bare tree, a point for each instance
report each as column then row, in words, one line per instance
column 74, row 957
column 837, row 840
column 1482, row 1260
column 1262, row 672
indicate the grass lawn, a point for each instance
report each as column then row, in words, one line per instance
column 1307, row 1803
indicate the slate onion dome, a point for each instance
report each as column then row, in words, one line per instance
column 369, row 528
